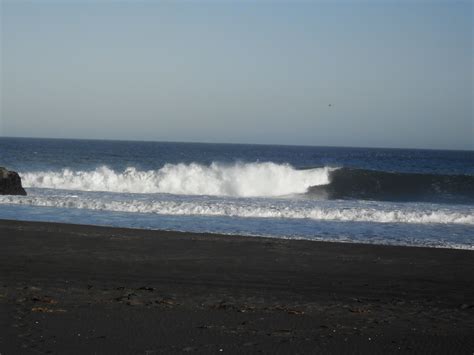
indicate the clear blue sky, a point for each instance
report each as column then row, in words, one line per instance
column 398, row 74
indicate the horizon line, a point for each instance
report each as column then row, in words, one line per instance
column 228, row 143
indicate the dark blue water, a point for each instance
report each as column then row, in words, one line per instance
column 38, row 154
column 388, row 196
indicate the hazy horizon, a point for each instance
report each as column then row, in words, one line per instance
column 229, row 143
column 362, row 74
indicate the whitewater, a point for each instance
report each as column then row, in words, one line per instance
column 397, row 197
column 238, row 180
column 260, row 208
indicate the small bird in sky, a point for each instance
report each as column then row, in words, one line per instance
column 330, row 105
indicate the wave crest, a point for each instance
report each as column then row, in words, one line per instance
column 237, row 180
column 361, row 184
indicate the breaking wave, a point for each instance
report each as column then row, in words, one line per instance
column 263, row 180
column 254, row 209
column 237, row 180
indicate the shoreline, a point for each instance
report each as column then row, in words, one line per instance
column 78, row 289
column 454, row 246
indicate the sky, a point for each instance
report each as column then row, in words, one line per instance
column 329, row 73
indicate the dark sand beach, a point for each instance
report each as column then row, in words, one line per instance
column 72, row 289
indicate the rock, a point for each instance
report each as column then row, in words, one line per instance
column 10, row 183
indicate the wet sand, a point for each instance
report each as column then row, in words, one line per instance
column 70, row 289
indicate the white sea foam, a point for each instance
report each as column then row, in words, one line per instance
column 238, row 180
column 254, row 209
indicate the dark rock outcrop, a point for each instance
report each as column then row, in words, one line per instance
column 10, row 183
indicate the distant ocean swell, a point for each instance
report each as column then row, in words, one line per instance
column 262, row 180
column 251, row 209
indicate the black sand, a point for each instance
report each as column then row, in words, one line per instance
column 72, row 289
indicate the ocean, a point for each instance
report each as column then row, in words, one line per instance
column 355, row 195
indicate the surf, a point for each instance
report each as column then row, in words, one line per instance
column 252, row 208
column 265, row 179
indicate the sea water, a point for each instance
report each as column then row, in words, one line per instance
column 382, row 196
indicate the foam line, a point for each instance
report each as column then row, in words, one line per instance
column 250, row 210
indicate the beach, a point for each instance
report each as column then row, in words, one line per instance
column 86, row 289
